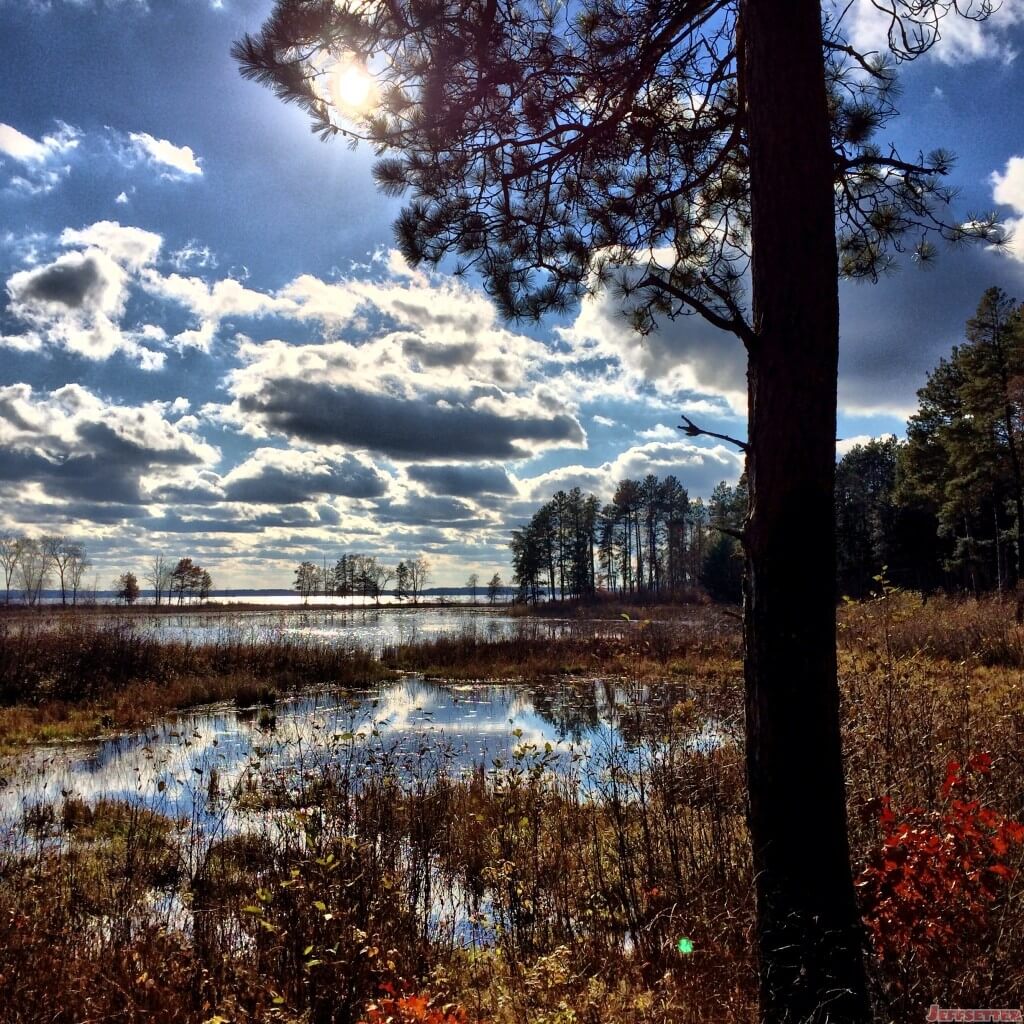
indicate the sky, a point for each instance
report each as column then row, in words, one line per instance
column 209, row 346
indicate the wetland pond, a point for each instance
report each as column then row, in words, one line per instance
column 370, row 629
column 210, row 766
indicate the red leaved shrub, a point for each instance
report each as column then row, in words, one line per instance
column 932, row 886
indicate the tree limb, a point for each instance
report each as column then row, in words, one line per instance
column 692, row 430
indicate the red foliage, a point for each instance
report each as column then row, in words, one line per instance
column 934, row 880
column 395, row 1007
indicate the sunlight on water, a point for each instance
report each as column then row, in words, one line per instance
column 185, row 766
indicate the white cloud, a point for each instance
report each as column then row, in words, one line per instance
column 27, row 150
column 174, row 161
column 132, row 247
column 961, row 40
column 659, row 432
column 40, row 161
column 122, row 198
column 80, row 448
column 682, row 355
column 846, row 444
column 699, row 467
column 193, row 254
column 77, row 300
column 1008, row 190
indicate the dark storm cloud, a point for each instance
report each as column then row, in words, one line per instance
column 67, row 284
column 423, row 316
column 42, row 515
column 274, row 484
column 85, row 477
column 435, row 354
column 226, row 520
column 400, row 428
column 421, row 511
column 79, row 449
column 95, row 512
column 462, row 481
column 120, row 451
column 894, row 332
column 200, row 492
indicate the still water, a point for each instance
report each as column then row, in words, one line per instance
column 189, row 767
column 369, row 629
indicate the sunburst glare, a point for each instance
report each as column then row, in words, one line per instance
column 352, row 88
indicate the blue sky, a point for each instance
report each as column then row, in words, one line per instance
column 208, row 346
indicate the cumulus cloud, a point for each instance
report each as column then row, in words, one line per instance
column 289, row 476
column 960, row 40
column 74, row 446
column 1008, row 190
column 699, row 467
column 430, row 510
column 77, row 300
column 40, row 161
column 442, row 425
column 174, row 162
column 25, row 149
column 846, row 444
column 132, row 247
column 683, row 355
column 462, row 481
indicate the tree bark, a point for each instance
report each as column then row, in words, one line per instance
column 811, row 966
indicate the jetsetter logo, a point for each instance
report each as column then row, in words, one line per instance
column 939, row 1013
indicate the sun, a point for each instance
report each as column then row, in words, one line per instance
column 352, row 88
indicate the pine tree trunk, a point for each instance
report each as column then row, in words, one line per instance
column 809, row 935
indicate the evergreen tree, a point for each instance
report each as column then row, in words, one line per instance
column 548, row 145
column 962, row 463
column 865, row 515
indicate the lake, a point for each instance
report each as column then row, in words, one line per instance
column 369, row 629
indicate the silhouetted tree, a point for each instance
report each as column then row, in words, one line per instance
column 545, row 145
column 126, row 588
column 305, row 580
column 401, row 581
column 34, row 568
column 419, row 574
column 10, row 552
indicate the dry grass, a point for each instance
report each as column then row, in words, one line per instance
column 74, row 677
column 581, row 877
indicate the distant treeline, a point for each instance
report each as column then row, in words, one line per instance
column 358, row 575
column 650, row 539
column 943, row 509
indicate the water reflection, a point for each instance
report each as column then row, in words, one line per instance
column 187, row 767
column 369, row 629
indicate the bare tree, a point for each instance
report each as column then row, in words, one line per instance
column 34, row 568
column 494, row 585
column 159, row 576
column 10, row 553
column 76, row 568
column 63, row 554
column 419, row 573
column 52, row 546
column 473, row 582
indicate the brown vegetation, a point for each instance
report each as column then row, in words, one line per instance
column 556, row 889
